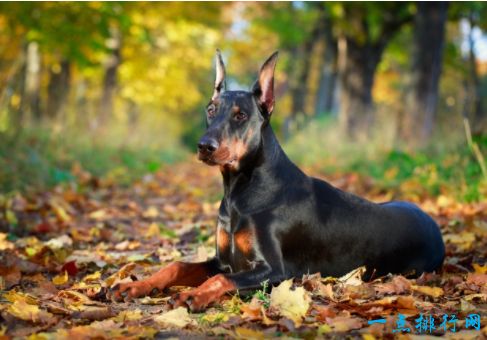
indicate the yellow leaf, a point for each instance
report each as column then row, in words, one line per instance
column 178, row 317
column 121, row 274
column 463, row 240
column 4, row 243
column 60, row 279
column 60, row 242
column 13, row 296
column 323, row 329
column 71, row 297
column 152, row 231
column 431, row 291
column 92, row 277
column 151, row 212
column 480, row 269
column 22, row 310
column 292, row 304
column 128, row 315
column 246, row 333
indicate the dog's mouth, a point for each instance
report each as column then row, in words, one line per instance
column 214, row 160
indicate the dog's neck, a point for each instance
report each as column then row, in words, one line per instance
column 264, row 165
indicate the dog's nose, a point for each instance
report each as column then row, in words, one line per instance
column 207, row 145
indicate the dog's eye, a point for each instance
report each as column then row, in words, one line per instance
column 240, row 116
column 210, row 111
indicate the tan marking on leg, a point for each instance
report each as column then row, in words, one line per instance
column 244, row 240
column 222, row 240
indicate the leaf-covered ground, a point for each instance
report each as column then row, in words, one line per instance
column 61, row 250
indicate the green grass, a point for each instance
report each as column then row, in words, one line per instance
column 446, row 166
column 40, row 159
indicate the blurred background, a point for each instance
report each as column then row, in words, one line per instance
column 395, row 91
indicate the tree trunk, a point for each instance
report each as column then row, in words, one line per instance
column 30, row 102
column 429, row 30
column 475, row 90
column 327, row 83
column 357, row 67
column 299, row 88
column 58, row 88
column 301, row 61
column 110, row 78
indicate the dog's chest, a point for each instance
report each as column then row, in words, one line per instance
column 235, row 246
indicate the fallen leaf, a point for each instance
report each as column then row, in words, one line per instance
column 398, row 285
column 247, row 333
column 59, row 242
column 480, row 269
column 292, row 304
column 61, row 279
column 70, row 268
column 123, row 273
column 92, row 277
column 9, row 276
column 477, row 279
column 22, row 310
column 252, row 310
column 129, row 315
column 4, row 243
column 431, row 291
column 178, row 317
column 354, row 278
column 344, row 323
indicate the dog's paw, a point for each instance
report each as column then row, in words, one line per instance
column 196, row 301
column 130, row 290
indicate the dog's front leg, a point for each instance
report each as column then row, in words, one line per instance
column 215, row 287
column 175, row 274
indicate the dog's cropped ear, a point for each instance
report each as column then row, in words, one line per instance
column 263, row 87
column 220, row 76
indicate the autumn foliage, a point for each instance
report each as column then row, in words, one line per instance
column 64, row 248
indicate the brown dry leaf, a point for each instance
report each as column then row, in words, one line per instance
column 94, row 313
column 252, row 310
column 477, row 279
column 292, row 304
column 427, row 290
column 354, row 278
column 398, row 285
column 22, row 310
column 178, row 318
column 344, row 323
column 324, row 312
column 9, row 276
column 326, row 290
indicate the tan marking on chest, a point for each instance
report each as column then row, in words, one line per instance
column 244, row 240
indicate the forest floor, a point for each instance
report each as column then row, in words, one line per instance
column 62, row 249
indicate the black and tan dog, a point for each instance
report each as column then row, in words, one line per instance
column 275, row 222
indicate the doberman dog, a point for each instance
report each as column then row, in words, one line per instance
column 275, row 222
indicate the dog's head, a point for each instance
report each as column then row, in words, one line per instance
column 235, row 119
